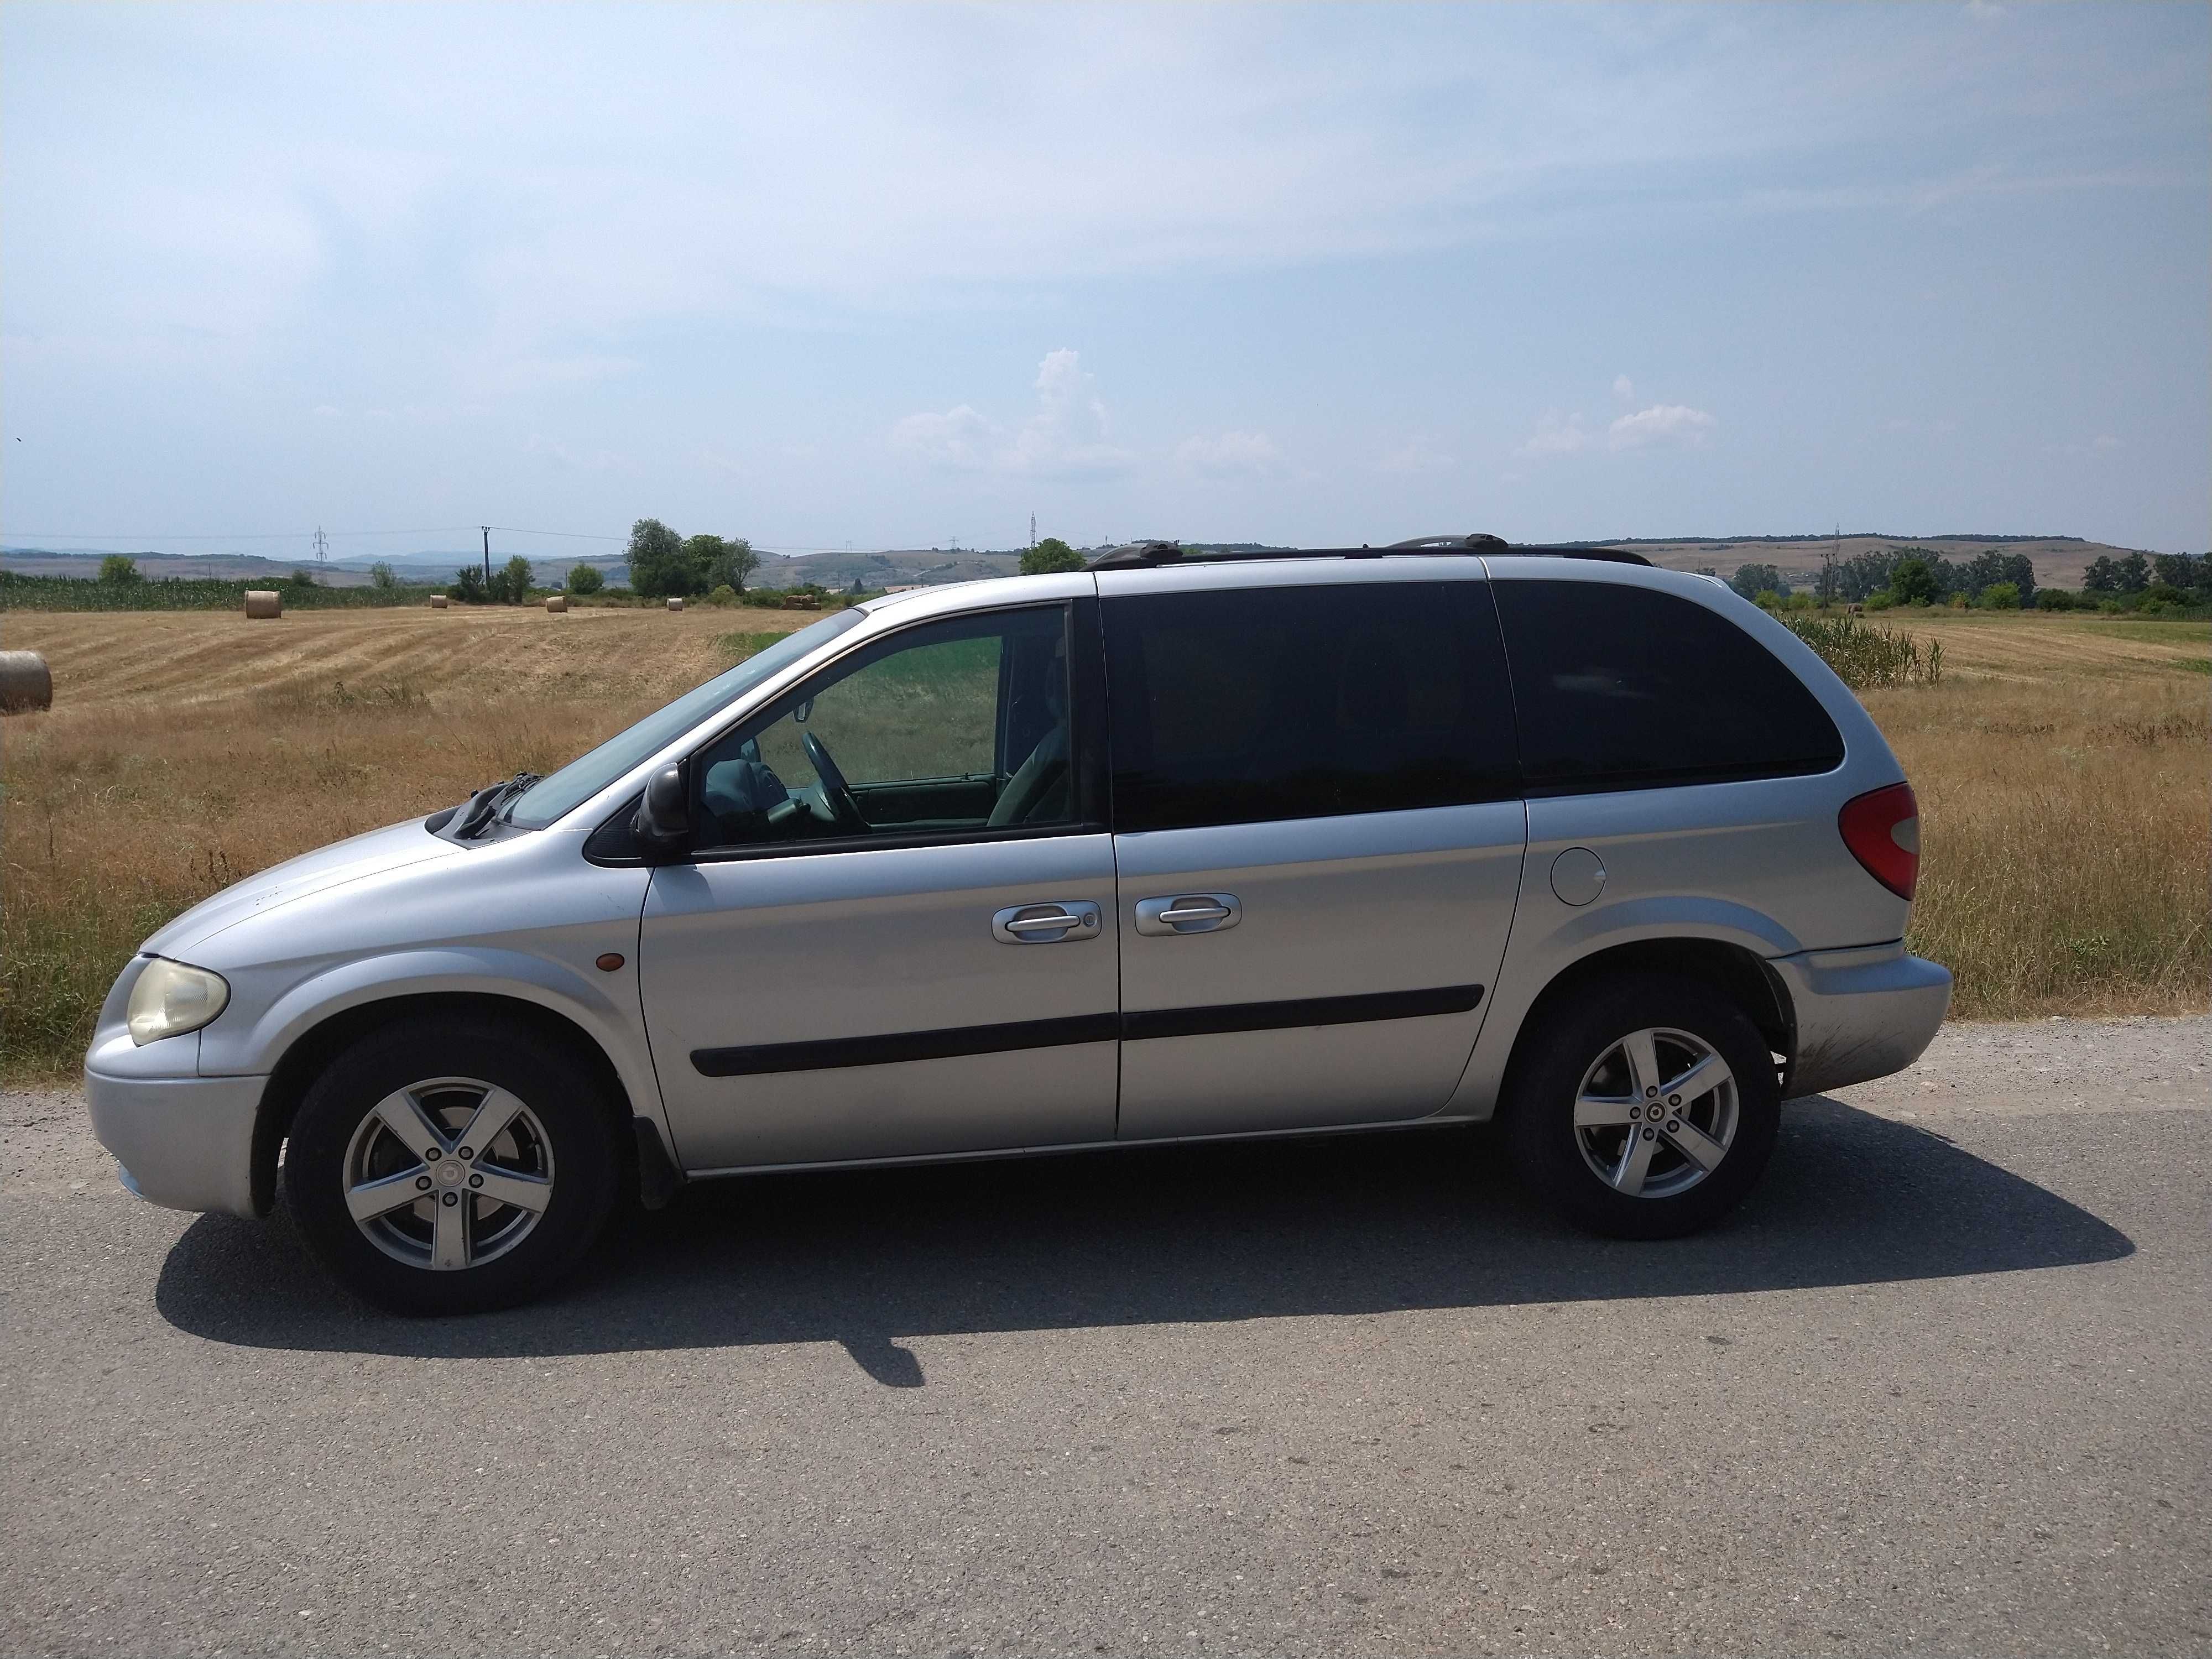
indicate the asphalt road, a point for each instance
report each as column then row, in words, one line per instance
column 1945, row 1383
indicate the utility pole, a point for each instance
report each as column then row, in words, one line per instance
column 1032, row 532
column 487, row 531
column 322, row 545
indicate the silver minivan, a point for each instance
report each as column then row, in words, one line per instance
column 1177, row 846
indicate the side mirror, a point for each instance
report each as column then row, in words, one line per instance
column 663, row 821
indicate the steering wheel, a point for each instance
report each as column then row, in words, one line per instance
column 837, row 793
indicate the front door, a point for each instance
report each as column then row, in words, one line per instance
column 893, row 938
column 1318, row 838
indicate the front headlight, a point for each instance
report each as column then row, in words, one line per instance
column 170, row 999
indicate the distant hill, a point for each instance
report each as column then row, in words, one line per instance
column 420, row 566
column 2060, row 561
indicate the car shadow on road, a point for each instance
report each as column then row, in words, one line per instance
column 1343, row 1224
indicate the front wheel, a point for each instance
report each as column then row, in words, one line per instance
column 1646, row 1109
column 451, row 1167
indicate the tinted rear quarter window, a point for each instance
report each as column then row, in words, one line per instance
column 1246, row 704
column 1625, row 688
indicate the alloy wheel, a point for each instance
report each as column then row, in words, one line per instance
column 448, row 1173
column 1656, row 1112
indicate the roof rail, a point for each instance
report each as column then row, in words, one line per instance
column 1145, row 555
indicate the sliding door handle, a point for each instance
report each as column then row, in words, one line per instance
column 1188, row 913
column 1045, row 922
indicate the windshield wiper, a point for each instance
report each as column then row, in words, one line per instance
column 511, row 791
column 484, row 806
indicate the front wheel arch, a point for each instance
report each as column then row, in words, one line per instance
column 313, row 1049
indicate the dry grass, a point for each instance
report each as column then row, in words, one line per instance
column 2061, row 766
column 186, row 750
column 2066, row 824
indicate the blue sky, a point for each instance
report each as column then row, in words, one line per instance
column 896, row 276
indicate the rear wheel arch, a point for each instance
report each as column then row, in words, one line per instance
column 1737, row 973
column 311, row 1052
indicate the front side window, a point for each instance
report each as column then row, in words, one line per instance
column 1239, row 705
column 585, row 776
column 1624, row 688
column 950, row 727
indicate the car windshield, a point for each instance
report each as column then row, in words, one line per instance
column 585, row 776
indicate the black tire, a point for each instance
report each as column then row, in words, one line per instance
column 569, row 1131
column 1555, row 1159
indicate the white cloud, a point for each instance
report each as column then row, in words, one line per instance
column 1415, row 455
column 2105, row 440
column 1066, row 436
column 1555, row 435
column 1228, row 455
column 959, row 439
column 561, row 459
column 1661, row 423
column 1624, row 389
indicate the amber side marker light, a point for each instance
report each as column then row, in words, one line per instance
column 1882, row 829
column 609, row 963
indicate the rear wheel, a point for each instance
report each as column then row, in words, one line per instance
column 1645, row 1108
column 452, row 1166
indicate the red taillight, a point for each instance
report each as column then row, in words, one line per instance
column 1882, row 829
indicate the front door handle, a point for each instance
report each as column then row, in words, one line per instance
column 1045, row 922
column 1190, row 913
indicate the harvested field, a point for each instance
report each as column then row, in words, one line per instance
column 465, row 653
column 2061, row 766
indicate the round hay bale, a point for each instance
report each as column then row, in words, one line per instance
column 25, row 683
column 437, row 602
column 261, row 604
column 676, row 605
column 556, row 605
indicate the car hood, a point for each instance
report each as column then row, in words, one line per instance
column 374, row 853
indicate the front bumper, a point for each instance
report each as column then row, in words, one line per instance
column 1861, row 1014
column 184, row 1142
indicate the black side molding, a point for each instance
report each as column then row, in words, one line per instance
column 1311, row 1011
column 906, row 1045
column 764, row 1058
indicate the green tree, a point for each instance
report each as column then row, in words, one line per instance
column 120, row 568
column 586, row 579
column 382, row 575
column 2129, row 574
column 2184, row 570
column 511, row 581
column 2001, row 596
column 660, row 567
column 1752, row 579
column 469, row 585
column 302, row 577
column 734, row 565
column 703, row 554
column 1050, row 555
column 1913, row 583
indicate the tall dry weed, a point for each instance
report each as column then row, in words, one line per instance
column 2066, row 835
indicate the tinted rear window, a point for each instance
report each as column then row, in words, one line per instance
column 1247, row 704
column 1622, row 687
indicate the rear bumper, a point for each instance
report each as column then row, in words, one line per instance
column 184, row 1142
column 1861, row 1014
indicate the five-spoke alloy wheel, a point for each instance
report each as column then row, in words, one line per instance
column 1656, row 1112
column 1644, row 1107
column 452, row 1165
column 448, row 1173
